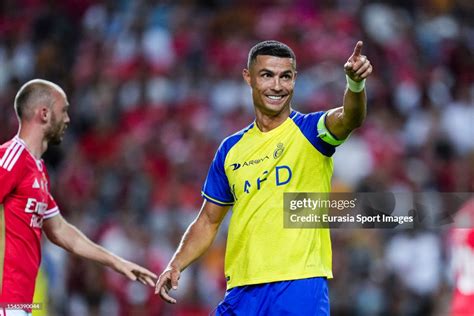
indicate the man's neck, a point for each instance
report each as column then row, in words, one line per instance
column 266, row 123
column 34, row 141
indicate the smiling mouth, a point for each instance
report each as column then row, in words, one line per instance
column 275, row 97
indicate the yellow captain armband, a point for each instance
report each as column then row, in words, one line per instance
column 325, row 134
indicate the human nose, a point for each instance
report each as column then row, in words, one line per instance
column 277, row 84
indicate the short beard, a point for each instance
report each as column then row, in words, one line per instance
column 53, row 134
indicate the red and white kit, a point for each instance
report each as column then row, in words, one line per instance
column 25, row 202
column 463, row 262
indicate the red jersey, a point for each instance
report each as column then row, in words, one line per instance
column 25, row 202
column 463, row 262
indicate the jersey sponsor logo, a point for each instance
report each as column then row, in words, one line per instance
column 283, row 175
column 37, row 210
column 235, row 166
column 36, row 221
column 33, row 206
column 11, row 155
column 251, row 162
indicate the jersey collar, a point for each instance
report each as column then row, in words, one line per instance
column 39, row 162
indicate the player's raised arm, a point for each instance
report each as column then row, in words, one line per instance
column 65, row 235
column 343, row 120
column 196, row 240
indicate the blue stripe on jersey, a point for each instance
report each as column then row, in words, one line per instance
column 215, row 201
column 308, row 124
column 216, row 188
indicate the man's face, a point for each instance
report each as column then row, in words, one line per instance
column 59, row 119
column 272, row 80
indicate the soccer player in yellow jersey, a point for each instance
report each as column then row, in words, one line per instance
column 271, row 270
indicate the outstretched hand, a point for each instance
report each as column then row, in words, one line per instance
column 135, row 272
column 358, row 67
column 168, row 280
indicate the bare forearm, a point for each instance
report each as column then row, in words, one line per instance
column 196, row 240
column 66, row 236
column 79, row 244
column 354, row 109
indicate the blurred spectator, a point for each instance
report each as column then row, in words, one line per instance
column 156, row 84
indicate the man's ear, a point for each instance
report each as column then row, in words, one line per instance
column 246, row 75
column 44, row 114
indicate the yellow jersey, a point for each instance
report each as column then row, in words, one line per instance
column 251, row 170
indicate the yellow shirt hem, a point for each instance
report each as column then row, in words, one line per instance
column 278, row 278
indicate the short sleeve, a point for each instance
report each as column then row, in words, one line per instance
column 10, row 172
column 216, row 188
column 313, row 127
column 52, row 210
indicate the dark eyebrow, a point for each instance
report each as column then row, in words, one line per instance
column 266, row 70
column 287, row 72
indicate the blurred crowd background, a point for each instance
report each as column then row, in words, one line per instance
column 154, row 87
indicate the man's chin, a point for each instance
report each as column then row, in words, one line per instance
column 55, row 141
column 275, row 109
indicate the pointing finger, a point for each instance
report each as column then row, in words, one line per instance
column 357, row 49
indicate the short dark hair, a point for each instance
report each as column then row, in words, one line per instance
column 33, row 91
column 270, row 48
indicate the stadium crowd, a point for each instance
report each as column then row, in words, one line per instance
column 154, row 86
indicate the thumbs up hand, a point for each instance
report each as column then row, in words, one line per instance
column 358, row 67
